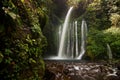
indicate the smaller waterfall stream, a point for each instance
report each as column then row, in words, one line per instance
column 83, row 38
column 76, row 38
column 109, row 52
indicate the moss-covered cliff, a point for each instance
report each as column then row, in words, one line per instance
column 21, row 39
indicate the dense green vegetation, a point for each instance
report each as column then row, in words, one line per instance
column 23, row 23
column 21, row 39
column 103, row 19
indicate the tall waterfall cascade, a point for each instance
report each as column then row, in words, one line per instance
column 63, row 35
column 72, row 43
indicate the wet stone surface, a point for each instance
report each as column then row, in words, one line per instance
column 56, row 70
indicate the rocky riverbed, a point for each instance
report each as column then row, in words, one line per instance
column 63, row 70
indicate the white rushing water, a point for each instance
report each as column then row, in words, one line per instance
column 62, row 41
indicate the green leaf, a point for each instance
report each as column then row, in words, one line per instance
column 31, row 60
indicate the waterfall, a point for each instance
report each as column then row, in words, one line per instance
column 68, row 43
column 62, row 41
column 76, row 36
column 109, row 52
column 71, row 44
column 72, row 40
column 83, row 39
column 68, row 39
